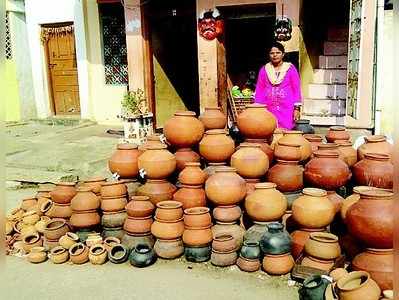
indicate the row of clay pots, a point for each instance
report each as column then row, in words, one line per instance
column 224, row 250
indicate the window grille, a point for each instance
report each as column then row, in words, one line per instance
column 8, row 38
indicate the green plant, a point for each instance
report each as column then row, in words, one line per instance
column 134, row 103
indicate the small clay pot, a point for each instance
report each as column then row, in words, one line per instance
column 250, row 250
column 142, row 256
column 63, row 192
column 169, row 210
column 124, row 161
column 55, row 229
column 59, row 255
column 138, row 225
column 248, row 265
column 213, row 118
column 68, row 240
column 304, row 126
column 337, row 133
column 192, row 174
column 324, row 265
column 93, row 238
column 278, row 264
column 110, row 241
column 223, row 259
column 79, row 253
column 197, row 217
column 98, row 254
column 118, row 254
column 275, row 240
column 296, row 137
column 113, row 204
column 37, row 255
column 140, row 206
column 197, row 254
column 167, row 230
column 30, row 218
column 84, row 200
column 30, row 241
column 113, row 218
column 169, row 249
column 224, row 243
column 358, row 285
column 113, row 189
column 314, row 287
column 94, row 183
column 227, row 213
column 299, row 239
column 323, row 245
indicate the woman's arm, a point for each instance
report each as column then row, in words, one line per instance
column 260, row 91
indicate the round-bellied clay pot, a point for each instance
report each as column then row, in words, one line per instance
column 287, row 175
column 138, row 225
column 197, row 217
column 44, row 191
column 184, row 156
column 169, row 211
column 113, row 218
column 31, row 240
column 296, row 137
column 157, row 162
column 374, row 170
column 55, row 229
column 213, row 118
column 124, row 161
column 63, row 192
column 225, row 187
column 256, row 122
column 287, row 150
column 265, row 204
column 94, row 183
column 250, row 161
column 109, row 204
column 132, row 240
column 358, row 285
column 223, row 259
column 216, row 146
column 299, row 238
column 98, row 254
column 85, row 219
column 248, row 265
column 157, row 190
column 321, row 264
column 338, row 273
column 264, row 146
column 375, row 144
column 167, row 230
column 379, row 264
column 314, row 139
column 183, row 129
column 227, row 213
column 250, row 250
column 337, row 133
column 190, row 196
column 140, row 206
column 116, row 232
column 350, row 200
column 232, row 228
column 113, row 189
column 197, row 236
column 30, row 217
column 169, row 249
column 313, row 209
column 28, row 203
column 111, row 241
column 328, row 147
column 68, row 240
column 197, row 254
column 335, row 199
column 56, row 210
column 371, row 219
column 37, row 255
column 85, row 199
column 304, row 126
column 323, row 245
column 313, row 288
column 224, row 243
column 192, row 174
column 79, row 253
column 275, row 240
column 250, row 184
column 278, row 264
column 142, row 256
column 346, row 150
column 59, row 255
column 118, row 254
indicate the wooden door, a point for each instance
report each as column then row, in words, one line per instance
column 63, row 72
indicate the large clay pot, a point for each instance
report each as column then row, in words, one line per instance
column 213, row 118
column 256, row 122
column 138, row 225
column 169, row 211
column 183, row 130
column 371, row 219
column 190, row 196
column 157, row 190
column 358, row 285
column 94, row 183
column 225, row 187
column 375, row 144
column 323, row 245
column 275, row 240
column 350, row 200
column 337, row 133
column 216, row 146
column 314, row 139
column 379, row 264
column 197, row 236
column 85, row 199
column 140, row 206
column 327, row 171
column 55, row 229
column 227, row 213
column 169, row 249
column 346, row 150
column 265, row 204
column 113, row 203
column 197, row 217
column 124, row 161
column 167, row 230
column 287, row 175
column 113, row 189
column 192, row 174
column 157, row 162
column 264, row 146
column 250, row 161
column 85, row 219
column 63, row 192
column 288, row 151
column 313, row 209
column 278, row 264
column 296, row 137
column 304, row 126
column 313, row 288
column 374, row 170
column 184, row 156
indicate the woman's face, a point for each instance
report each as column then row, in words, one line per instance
column 276, row 55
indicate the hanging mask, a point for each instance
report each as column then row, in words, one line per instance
column 283, row 29
column 210, row 25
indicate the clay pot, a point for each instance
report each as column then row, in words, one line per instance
column 94, row 183
column 124, row 161
column 213, row 118
column 98, row 255
column 326, row 171
column 47, row 205
column 314, row 139
column 375, row 144
column 63, row 192
column 374, row 170
column 379, row 264
column 132, row 240
column 250, row 250
column 338, row 273
column 227, row 213
column 197, row 254
column 197, row 217
column 190, row 196
column 275, row 240
column 85, row 219
column 264, row 146
column 296, row 137
column 55, row 229
column 118, row 254
column 183, row 129
column 153, row 139
column 256, row 122
column 335, row 199
column 250, row 161
column 37, row 255
column 169, row 211
column 299, row 239
column 30, row 218
column 113, row 189
column 59, row 255
column 348, row 152
column 304, row 126
column 287, row 175
column 197, row 236
column 278, row 264
column 113, row 218
column 55, row 210
column 68, row 240
column 256, row 231
column 248, row 265
column 140, row 206
column 142, row 256
column 184, row 156
column 358, row 285
column 314, row 288
column 28, row 203
column 216, row 146
column 138, row 225
column 157, row 162
column 265, row 204
column 85, row 199
column 167, row 230
column 111, row 241
column 337, row 133
column 30, row 241
column 79, row 253
column 169, row 249
column 223, row 259
column 50, row 244
column 320, row 264
column 371, row 219
column 113, row 232
column 328, row 147
column 288, row 151
column 113, row 204
column 250, row 184
column 323, row 245
column 225, row 187
column 211, row 168
column 350, row 200
column 224, row 243
column 157, row 190
column 192, row 174
column 231, row 229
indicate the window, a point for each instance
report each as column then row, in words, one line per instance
column 114, row 43
column 8, row 38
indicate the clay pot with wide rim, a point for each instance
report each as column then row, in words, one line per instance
column 63, row 192
column 256, row 122
column 264, row 146
column 225, row 187
column 314, row 139
column 314, row 288
column 327, row 171
column 94, row 183
column 265, row 204
column 358, row 285
column 337, row 133
column 278, row 264
column 346, row 150
column 79, row 253
column 85, row 199
column 375, row 144
column 250, row 250
column 313, row 209
column 190, row 196
column 169, row 211
column 320, row 264
column 142, row 256
column 287, row 175
column 192, row 174
column 110, row 241
column 250, row 161
column 216, row 146
column 113, row 189
column 197, row 254
column 213, row 118
column 184, row 156
column 118, row 254
column 167, row 230
column 28, row 203
column 68, row 240
column 275, row 240
column 229, row 228
column 30, row 241
column 248, row 265
column 157, row 162
column 138, row 225
column 98, row 254
column 85, row 219
column 124, row 161
column 350, row 200
column 111, row 219
column 197, row 236
column 374, row 170
column 37, row 255
column 183, row 129
column 323, row 245
column 55, row 229
column 157, row 189
column 371, row 219
column 227, row 213
column 197, row 217
column 140, row 206
column 296, row 137
column 110, row 204
column 223, row 259
column 288, row 151
column 169, row 249
column 224, row 243
column 59, row 255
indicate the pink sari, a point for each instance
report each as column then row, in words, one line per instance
column 279, row 94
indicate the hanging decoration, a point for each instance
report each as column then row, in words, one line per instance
column 283, row 29
column 48, row 32
column 210, row 24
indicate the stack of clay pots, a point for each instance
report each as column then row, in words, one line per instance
column 94, row 183
column 224, row 250
column 124, row 161
column 84, row 209
column 61, row 196
column 314, row 140
column 250, row 255
column 375, row 144
column 290, row 140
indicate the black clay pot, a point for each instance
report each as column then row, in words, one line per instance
column 275, row 240
column 304, row 126
column 142, row 256
column 250, row 250
column 197, row 254
column 117, row 232
column 118, row 254
column 313, row 288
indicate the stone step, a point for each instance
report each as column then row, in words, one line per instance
column 329, row 76
column 338, row 34
column 327, row 91
column 333, row 62
column 335, row 48
column 336, row 107
column 325, row 120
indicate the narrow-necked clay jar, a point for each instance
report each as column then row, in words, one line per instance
column 250, row 161
column 85, row 199
column 337, row 133
column 227, row 213
column 157, row 189
column 197, row 217
column 213, row 118
column 113, row 189
column 124, row 161
column 216, row 146
column 224, row 243
column 349, row 153
column 275, row 240
column 140, row 206
column 358, row 285
column 169, row 211
column 79, row 253
column 192, row 174
column 55, row 229
column 323, row 245
column 167, row 230
column 296, row 137
column 98, row 254
column 314, row 139
column 113, row 203
column 190, row 196
column 138, row 225
column 68, row 239
column 287, row 150
column 256, row 122
column 37, row 255
column 287, row 175
column 197, row 236
column 157, row 162
column 278, row 264
column 184, row 156
column 94, row 183
column 375, row 144
column 59, row 255
column 30, row 241
column 63, row 192
column 264, row 146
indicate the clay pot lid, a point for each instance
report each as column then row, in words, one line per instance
column 94, row 249
column 57, row 250
column 315, row 192
column 376, row 193
column 289, row 144
column 324, row 237
column 293, row 132
column 77, row 249
column 192, row 164
column 139, row 198
column 265, row 185
column 185, row 113
column 108, row 183
column 156, row 147
column 31, row 238
column 327, row 153
column 375, row 138
column 377, row 156
column 216, row 131
column 362, row 275
column 327, row 146
column 255, row 105
column 95, row 179
column 288, row 162
column 55, row 224
column 196, row 210
column 126, row 146
column 213, row 108
column 337, row 128
column 65, row 183
column 250, row 145
column 223, row 169
column 313, row 137
column 223, row 237
column 169, row 204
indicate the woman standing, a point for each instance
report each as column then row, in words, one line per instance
column 279, row 87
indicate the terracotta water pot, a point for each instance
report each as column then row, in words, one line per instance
column 94, row 183
column 140, row 206
column 192, row 174
column 288, row 151
column 225, row 187
column 68, row 240
column 59, row 255
column 183, row 130
column 184, row 156
column 63, row 192
column 266, row 203
column 256, row 122
column 296, row 137
column 379, row 264
column 323, row 245
column 85, row 219
column 278, row 264
column 85, row 199
column 158, row 190
column 358, row 285
column 55, row 229
column 157, row 162
column 109, row 204
column 231, row 228
column 124, row 161
column 216, row 146
column 264, row 146
column 37, row 255
column 313, row 209
column 335, row 199
column 371, row 219
column 375, row 144
column 167, row 230
column 337, row 133
column 190, row 196
column 346, row 150
column 211, row 168
column 275, row 240
column 227, row 213
column 223, row 259
column 314, row 139
column 79, row 253
column 320, row 264
column 113, row 189
column 31, row 240
column 326, row 171
column 197, row 217
column 250, row 161
column 98, row 254
column 250, row 184
column 169, row 249
column 374, row 170
column 169, row 211
column 113, row 218
column 213, row 118
column 350, row 200
column 138, row 225
column 224, row 243
column 197, row 236
column 287, row 175
column 248, row 265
